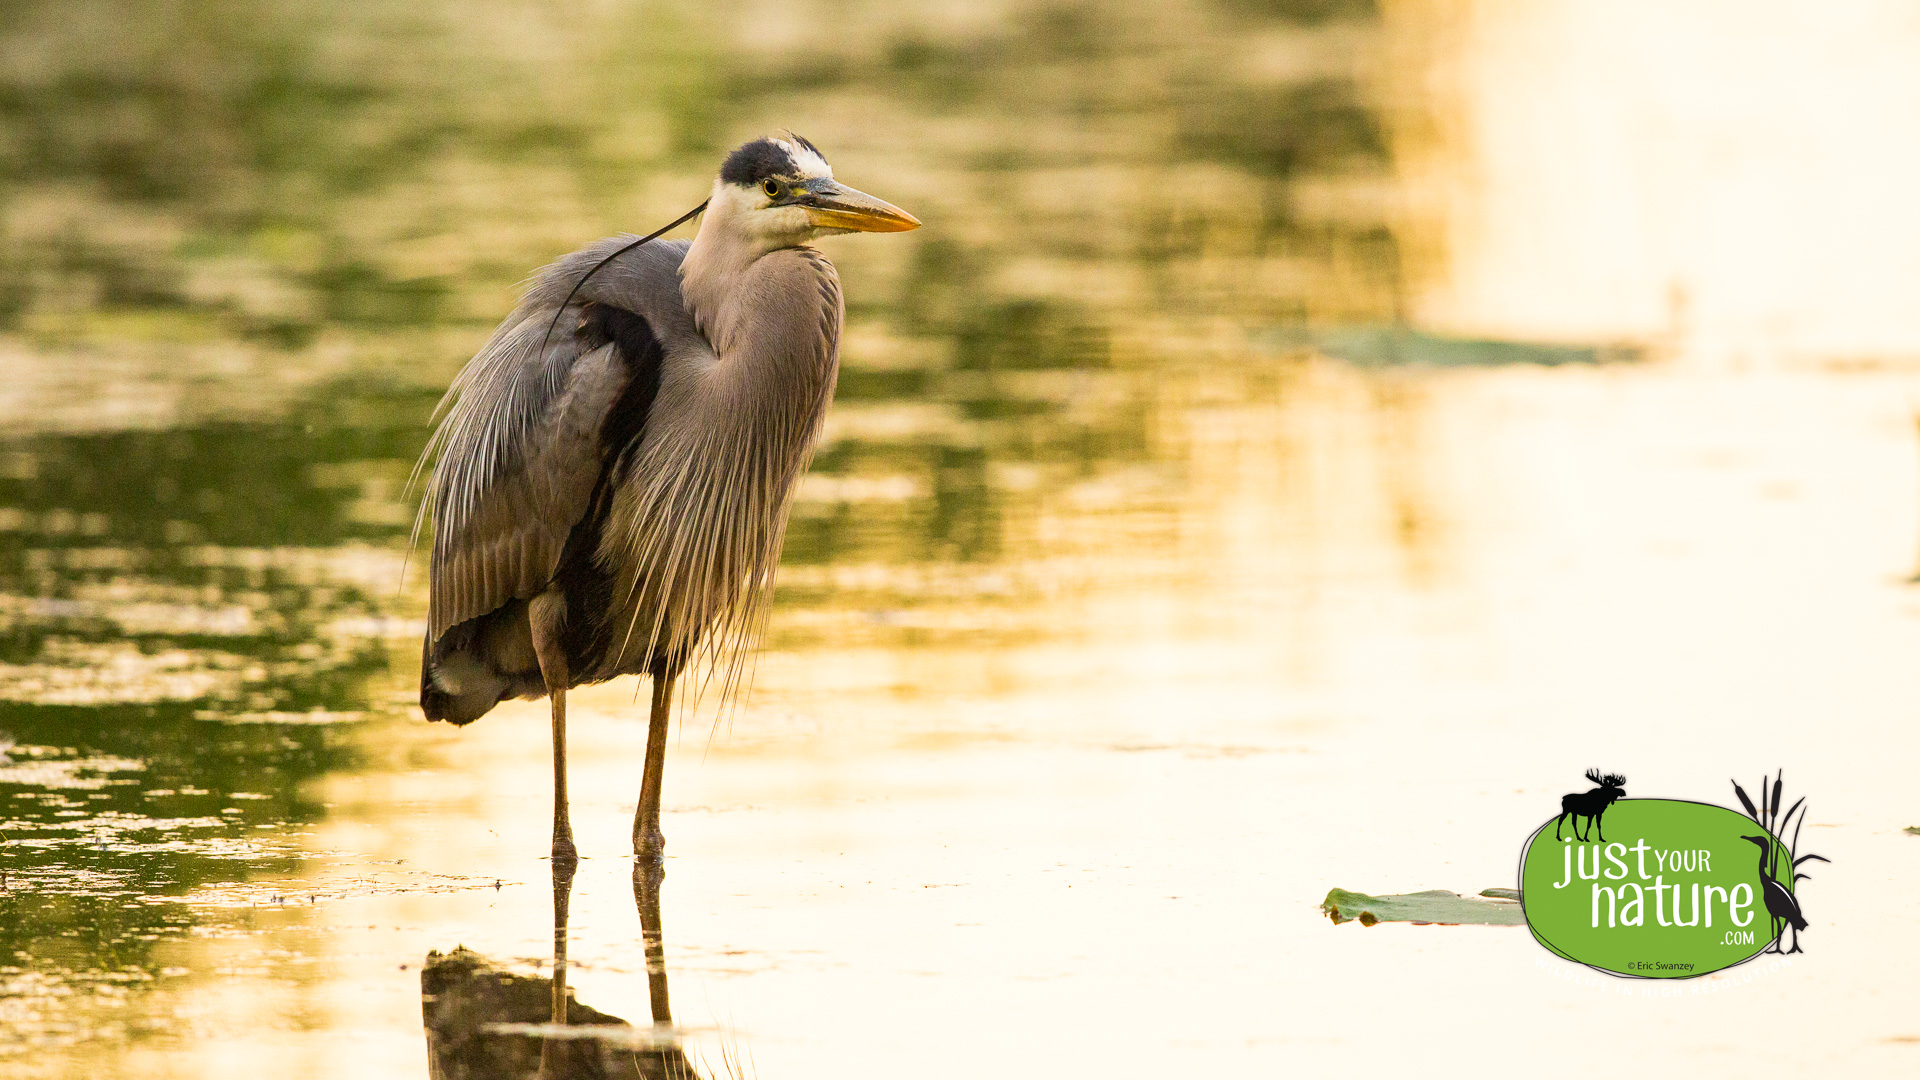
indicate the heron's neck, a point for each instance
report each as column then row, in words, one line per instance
column 711, row 276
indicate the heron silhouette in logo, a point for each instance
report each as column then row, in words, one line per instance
column 1782, row 905
column 1591, row 804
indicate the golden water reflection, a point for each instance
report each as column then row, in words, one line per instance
column 1728, row 189
column 1049, row 823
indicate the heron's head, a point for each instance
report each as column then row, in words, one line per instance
column 1762, row 841
column 779, row 192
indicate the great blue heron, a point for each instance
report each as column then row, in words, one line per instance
column 616, row 463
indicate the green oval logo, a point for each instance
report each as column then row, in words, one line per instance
column 1675, row 890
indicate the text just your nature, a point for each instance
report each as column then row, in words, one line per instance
column 1626, row 903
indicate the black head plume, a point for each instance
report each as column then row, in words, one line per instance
column 763, row 158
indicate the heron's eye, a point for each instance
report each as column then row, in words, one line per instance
column 771, row 187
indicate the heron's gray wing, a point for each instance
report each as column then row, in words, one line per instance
column 519, row 445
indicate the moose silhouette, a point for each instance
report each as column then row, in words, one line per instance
column 1591, row 804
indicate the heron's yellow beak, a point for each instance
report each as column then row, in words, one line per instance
column 835, row 206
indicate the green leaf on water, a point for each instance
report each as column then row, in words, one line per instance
column 1501, row 894
column 1912, row 830
column 1433, row 906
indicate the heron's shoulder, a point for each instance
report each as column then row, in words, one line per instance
column 644, row 280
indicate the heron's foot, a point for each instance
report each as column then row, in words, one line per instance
column 650, row 846
column 564, row 853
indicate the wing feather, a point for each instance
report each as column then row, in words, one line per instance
column 518, row 447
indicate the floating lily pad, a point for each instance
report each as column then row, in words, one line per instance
column 1423, row 908
column 1501, row 894
column 1395, row 346
column 1912, row 830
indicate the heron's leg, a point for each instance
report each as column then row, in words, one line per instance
column 545, row 615
column 648, row 843
column 550, row 1049
column 563, row 849
column 647, row 876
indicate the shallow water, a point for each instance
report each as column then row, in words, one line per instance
column 1151, row 580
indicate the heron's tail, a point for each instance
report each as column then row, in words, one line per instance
column 457, row 690
column 477, row 665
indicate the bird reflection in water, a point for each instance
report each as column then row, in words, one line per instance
column 486, row 1023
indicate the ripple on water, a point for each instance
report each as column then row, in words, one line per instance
column 44, row 767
